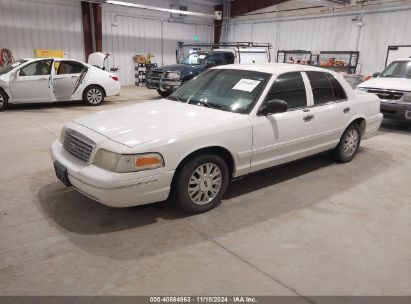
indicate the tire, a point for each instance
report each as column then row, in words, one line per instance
column 213, row 184
column 349, row 144
column 93, row 95
column 164, row 93
column 4, row 101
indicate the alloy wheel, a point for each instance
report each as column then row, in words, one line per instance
column 205, row 184
column 94, row 96
column 351, row 143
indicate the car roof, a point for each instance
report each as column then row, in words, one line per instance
column 402, row 59
column 273, row 68
column 53, row 58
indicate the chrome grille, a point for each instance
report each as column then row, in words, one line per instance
column 155, row 74
column 387, row 94
column 78, row 145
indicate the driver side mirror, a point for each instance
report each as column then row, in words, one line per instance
column 14, row 75
column 272, row 107
column 210, row 63
column 376, row 74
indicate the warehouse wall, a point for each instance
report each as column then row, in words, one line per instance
column 25, row 26
column 142, row 32
column 332, row 33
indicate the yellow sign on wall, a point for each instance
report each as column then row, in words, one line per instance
column 48, row 53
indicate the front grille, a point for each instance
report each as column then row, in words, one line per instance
column 387, row 94
column 155, row 74
column 78, row 145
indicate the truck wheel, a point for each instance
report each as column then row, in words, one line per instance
column 93, row 95
column 349, row 144
column 201, row 183
column 164, row 93
column 3, row 101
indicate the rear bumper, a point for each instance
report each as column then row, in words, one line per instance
column 372, row 125
column 400, row 111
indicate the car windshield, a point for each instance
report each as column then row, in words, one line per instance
column 398, row 69
column 195, row 59
column 11, row 67
column 223, row 89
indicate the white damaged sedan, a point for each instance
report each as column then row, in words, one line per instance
column 228, row 122
column 43, row 80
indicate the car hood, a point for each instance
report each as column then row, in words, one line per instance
column 152, row 121
column 182, row 68
column 400, row 84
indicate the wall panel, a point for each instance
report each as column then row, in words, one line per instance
column 338, row 32
column 141, row 34
column 25, row 26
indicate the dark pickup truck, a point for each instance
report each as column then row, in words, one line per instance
column 168, row 78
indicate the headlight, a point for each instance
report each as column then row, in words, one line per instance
column 173, row 75
column 62, row 134
column 407, row 97
column 123, row 163
column 362, row 89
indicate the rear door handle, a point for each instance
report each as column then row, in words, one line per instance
column 73, row 77
column 346, row 110
column 308, row 118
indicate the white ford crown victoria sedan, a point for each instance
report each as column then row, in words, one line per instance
column 35, row 80
column 229, row 121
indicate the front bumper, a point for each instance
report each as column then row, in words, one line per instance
column 163, row 84
column 113, row 189
column 400, row 111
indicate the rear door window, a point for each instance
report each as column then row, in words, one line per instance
column 321, row 86
column 69, row 67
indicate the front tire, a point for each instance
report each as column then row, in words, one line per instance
column 4, row 101
column 164, row 93
column 349, row 144
column 201, row 183
column 93, row 96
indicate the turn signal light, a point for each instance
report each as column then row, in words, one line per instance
column 148, row 161
column 115, row 78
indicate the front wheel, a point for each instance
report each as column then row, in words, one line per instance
column 3, row 101
column 93, row 96
column 201, row 183
column 349, row 144
column 164, row 93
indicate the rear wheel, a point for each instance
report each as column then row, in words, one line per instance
column 93, row 96
column 201, row 183
column 164, row 93
column 349, row 144
column 3, row 101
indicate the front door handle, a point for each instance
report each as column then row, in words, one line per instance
column 346, row 110
column 308, row 118
column 73, row 77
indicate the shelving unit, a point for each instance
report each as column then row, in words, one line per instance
column 339, row 61
column 294, row 56
column 141, row 70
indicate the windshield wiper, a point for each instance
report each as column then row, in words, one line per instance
column 205, row 104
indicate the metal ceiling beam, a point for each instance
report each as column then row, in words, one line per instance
column 241, row 7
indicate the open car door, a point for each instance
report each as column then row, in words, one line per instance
column 66, row 78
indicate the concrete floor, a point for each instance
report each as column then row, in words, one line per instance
column 308, row 228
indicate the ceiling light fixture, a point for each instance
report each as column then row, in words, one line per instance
column 154, row 8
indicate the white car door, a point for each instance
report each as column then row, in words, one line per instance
column 283, row 137
column 32, row 83
column 65, row 78
column 330, row 108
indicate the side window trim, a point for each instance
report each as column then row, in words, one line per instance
column 308, row 90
